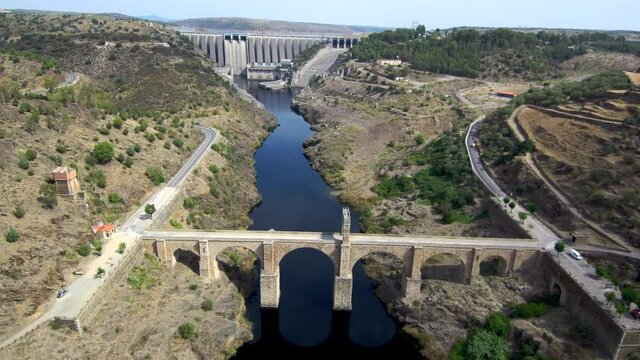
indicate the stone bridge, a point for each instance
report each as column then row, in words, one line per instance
column 454, row 259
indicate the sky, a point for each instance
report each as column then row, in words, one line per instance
column 582, row 14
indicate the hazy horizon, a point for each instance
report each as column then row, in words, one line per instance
column 568, row 14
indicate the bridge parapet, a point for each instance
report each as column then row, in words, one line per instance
column 270, row 248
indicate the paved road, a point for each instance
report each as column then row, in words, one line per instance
column 316, row 66
column 84, row 287
column 583, row 273
column 71, row 78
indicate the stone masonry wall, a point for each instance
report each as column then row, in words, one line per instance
column 131, row 257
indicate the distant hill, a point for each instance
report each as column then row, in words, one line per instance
column 231, row 24
column 156, row 18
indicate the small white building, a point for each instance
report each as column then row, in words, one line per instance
column 389, row 62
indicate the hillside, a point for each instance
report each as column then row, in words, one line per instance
column 124, row 123
column 493, row 54
column 231, row 24
column 594, row 163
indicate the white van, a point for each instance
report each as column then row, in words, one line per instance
column 576, row 255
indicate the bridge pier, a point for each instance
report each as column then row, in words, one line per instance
column 269, row 278
column 204, row 264
column 411, row 284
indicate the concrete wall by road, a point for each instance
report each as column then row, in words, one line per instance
column 607, row 332
column 133, row 255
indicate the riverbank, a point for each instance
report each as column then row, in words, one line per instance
column 374, row 135
column 445, row 313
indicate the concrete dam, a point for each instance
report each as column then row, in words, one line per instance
column 238, row 51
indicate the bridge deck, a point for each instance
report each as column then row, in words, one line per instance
column 356, row 239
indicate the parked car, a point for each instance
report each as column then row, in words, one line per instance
column 576, row 255
column 78, row 272
column 62, row 293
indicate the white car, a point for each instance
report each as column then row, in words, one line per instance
column 576, row 255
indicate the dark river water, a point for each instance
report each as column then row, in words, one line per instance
column 295, row 197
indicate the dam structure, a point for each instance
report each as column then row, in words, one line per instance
column 237, row 52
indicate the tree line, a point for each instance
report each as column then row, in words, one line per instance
column 463, row 52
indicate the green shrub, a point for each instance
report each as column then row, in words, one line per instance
column 141, row 278
column 131, row 151
column 207, row 305
column 214, row 169
column 30, row 154
column 114, row 198
column 19, row 211
column 128, row 162
column 529, row 310
column 190, row 203
column 176, row 224
column 103, row 152
column 12, row 235
column 98, row 177
column 121, row 247
column 498, row 324
column 487, row 346
column 97, row 245
column 83, row 249
column 178, row 142
column 100, row 272
column 155, row 175
column 48, row 195
column 631, row 295
column 187, row 331
column 419, row 139
column 23, row 163
column 117, row 122
column 193, row 287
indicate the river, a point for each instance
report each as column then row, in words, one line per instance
column 296, row 198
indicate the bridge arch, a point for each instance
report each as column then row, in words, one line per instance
column 326, row 247
column 446, row 267
column 557, row 293
column 386, row 266
column 306, row 279
column 494, row 265
column 187, row 257
column 242, row 265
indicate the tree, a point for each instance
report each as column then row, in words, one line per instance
column 100, row 272
column 523, row 216
column 83, row 249
column 621, row 308
column 103, row 152
column 30, row 154
column 150, row 209
column 12, row 235
column 512, row 205
column 559, row 247
column 187, row 331
column 48, row 195
column 420, row 30
column 610, row 296
column 487, row 346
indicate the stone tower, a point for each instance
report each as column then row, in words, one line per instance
column 66, row 181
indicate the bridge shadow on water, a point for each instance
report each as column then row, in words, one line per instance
column 306, row 327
